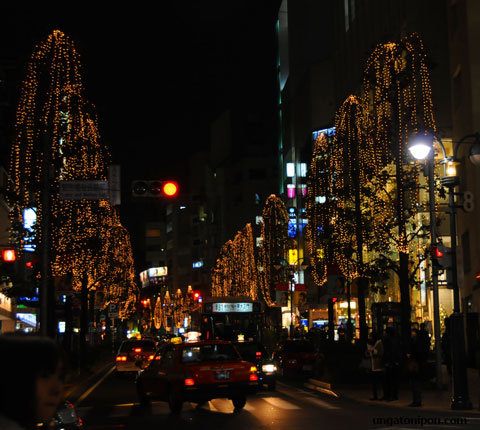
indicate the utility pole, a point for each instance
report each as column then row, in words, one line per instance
column 46, row 295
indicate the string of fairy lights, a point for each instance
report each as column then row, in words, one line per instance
column 56, row 128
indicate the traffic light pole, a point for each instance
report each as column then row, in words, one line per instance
column 436, row 300
column 460, row 398
column 45, row 294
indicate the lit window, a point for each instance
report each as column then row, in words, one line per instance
column 290, row 170
column 258, row 219
column 302, row 169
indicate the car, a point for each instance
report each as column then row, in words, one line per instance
column 256, row 353
column 197, row 371
column 130, row 352
column 296, row 356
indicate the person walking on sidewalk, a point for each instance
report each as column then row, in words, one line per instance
column 375, row 352
column 416, row 365
column 392, row 359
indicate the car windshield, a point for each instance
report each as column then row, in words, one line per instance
column 144, row 345
column 209, row 352
column 251, row 351
column 298, row 347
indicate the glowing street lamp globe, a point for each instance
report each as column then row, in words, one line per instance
column 420, row 146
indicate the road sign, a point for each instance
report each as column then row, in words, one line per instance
column 84, row 190
column 113, row 310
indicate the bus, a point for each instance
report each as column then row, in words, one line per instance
column 229, row 318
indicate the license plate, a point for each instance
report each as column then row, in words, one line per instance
column 307, row 367
column 223, row 374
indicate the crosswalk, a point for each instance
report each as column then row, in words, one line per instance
column 281, row 401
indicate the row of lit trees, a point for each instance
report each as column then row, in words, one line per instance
column 56, row 140
column 239, row 272
column 362, row 199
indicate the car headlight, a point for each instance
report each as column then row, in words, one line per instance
column 269, row 368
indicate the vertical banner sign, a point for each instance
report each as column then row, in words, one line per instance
column 114, row 183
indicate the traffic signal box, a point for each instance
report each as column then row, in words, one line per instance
column 442, row 259
column 8, row 267
column 156, row 189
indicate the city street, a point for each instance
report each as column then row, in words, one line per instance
column 113, row 404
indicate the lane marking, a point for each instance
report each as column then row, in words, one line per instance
column 280, row 403
column 89, row 391
column 307, row 396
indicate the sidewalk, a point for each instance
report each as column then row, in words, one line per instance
column 432, row 399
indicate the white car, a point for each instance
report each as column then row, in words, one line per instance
column 132, row 351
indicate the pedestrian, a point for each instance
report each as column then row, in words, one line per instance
column 31, row 388
column 424, row 336
column 446, row 346
column 416, row 366
column 375, row 352
column 392, row 359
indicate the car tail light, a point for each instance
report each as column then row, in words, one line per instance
column 189, row 382
column 157, row 357
column 150, row 357
column 137, row 349
column 253, row 373
column 121, row 358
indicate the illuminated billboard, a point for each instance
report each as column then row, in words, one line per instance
column 154, row 276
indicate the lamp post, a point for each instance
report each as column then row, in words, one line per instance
column 420, row 147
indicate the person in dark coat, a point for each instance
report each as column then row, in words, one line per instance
column 392, row 360
column 446, row 347
column 416, row 365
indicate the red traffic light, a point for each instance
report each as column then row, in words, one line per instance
column 9, row 255
column 170, row 189
column 436, row 252
column 196, row 295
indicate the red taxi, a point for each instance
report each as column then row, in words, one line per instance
column 198, row 372
column 296, row 356
column 132, row 351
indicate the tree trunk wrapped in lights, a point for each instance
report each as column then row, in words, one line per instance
column 273, row 247
column 398, row 97
column 234, row 273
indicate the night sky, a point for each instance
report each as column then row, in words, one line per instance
column 158, row 75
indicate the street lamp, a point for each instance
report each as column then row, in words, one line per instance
column 420, row 147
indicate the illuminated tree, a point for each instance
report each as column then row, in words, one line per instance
column 321, row 209
column 273, row 247
column 56, row 136
column 398, row 97
column 234, row 273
